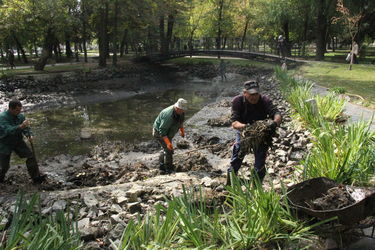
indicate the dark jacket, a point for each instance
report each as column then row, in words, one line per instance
column 245, row 112
column 10, row 132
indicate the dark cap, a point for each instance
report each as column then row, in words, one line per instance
column 251, row 86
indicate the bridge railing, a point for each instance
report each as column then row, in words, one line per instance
column 154, row 57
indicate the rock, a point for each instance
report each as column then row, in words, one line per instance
column 84, row 226
column 82, row 212
column 117, row 231
column 85, row 134
column 220, row 188
column 208, row 182
column 46, row 210
column 134, row 207
column 59, row 205
column 119, row 196
column 270, row 170
column 90, row 200
column 116, row 218
column 115, row 208
column 134, row 193
column 363, row 244
column 3, row 222
column 330, row 244
column 296, row 156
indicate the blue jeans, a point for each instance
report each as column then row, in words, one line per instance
column 260, row 158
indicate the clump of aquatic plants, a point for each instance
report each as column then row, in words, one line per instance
column 29, row 229
column 344, row 153
column 250, row 219
column 298, row 94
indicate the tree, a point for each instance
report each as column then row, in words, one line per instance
column 352, row 25
column 323, row 19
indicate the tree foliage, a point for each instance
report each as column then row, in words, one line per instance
column 162, row 25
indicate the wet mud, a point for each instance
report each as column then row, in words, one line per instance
column 335, row 198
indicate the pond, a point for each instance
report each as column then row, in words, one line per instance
column 130, row 120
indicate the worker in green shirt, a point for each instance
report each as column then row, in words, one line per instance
column 166, row 125
column 13, row 126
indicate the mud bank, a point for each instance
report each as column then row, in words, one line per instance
column 56, row 90
column 118, row 181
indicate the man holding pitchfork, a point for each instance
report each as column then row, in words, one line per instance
column 13, row 126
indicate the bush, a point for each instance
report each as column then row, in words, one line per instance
column 338, row 90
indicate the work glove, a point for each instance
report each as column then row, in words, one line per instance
column 182, row 132
column 168, row 143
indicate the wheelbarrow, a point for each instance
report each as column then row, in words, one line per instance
column 299, row 196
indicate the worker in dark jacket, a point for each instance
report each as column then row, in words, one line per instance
column 13, row 126
column 247, row 108
column 166, row 125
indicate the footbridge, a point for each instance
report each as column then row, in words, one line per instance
column 156, row 57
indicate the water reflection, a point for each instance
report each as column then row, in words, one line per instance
column 58, row 131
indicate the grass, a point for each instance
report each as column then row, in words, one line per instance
column 359, row 81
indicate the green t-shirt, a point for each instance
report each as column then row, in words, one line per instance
column 168, row 122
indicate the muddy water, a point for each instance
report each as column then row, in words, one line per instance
column 130, row 120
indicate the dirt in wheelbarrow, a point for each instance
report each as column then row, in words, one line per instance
column 335, row 198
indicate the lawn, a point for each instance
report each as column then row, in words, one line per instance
column 360, row 80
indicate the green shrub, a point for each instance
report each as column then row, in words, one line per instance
column 330, row 107
column 338, row 90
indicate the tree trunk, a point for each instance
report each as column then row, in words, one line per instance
column 68, row 49
column 18, row 54
column 76, row 52
column 56, row 52
column 163, row 48
column 20, row 48
column 244, row 33
column 320, row 31
column 36, row 51
column 47, row 50
column 169, row 32
column 123, row 42
column 286, row 33
column 305, row 30
column 219, row 31
column 84, row 28
column 103, row 35
column 114, row 58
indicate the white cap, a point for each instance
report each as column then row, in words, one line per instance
column 181, row 104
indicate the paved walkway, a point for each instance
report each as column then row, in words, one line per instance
column 356, row 112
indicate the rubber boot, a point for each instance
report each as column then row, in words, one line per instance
column 33, row 169
column 228, row 179
column 4, row 166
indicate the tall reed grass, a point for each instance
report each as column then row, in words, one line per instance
column 252, row 219
column 342, row 153
column 29, row 229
